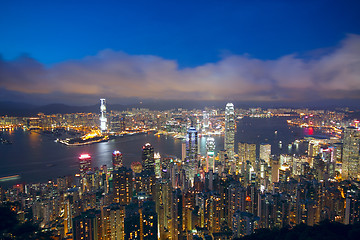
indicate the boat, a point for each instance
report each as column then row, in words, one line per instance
column 9, row 178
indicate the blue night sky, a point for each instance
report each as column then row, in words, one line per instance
column 65, row 51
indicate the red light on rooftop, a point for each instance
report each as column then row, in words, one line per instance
column 84, row 156
column 248, row 199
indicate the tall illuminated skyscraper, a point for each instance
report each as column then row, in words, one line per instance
column 351, row 157
column 229, row 130
column 103, row 119
column 85, row 164
column 210, row 154
column 205, row 119
column 117, row 160
column 157, row 158
column 191, row 152
column 265, row 152
column 148, row 160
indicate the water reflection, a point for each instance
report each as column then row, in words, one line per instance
column 38, row 158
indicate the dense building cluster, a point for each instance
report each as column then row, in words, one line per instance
column 222, row 195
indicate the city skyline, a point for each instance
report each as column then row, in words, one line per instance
column 198, row 175
column 258, row 51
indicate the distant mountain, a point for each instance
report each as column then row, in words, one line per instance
column 27, row 110
column 15, row 109
column 63, row 108
column 24, row 109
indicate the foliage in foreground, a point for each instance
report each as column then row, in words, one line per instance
column 12, row 228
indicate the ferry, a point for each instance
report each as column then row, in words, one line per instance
column 9, row 178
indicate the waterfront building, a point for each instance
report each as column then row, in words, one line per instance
column 229, row 141
column 117, row 124
column 148, row 159
column 117, row 160
column 265, row 152
column 85, row 164
column 103, row 119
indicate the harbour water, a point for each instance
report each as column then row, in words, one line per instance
column 38, row 158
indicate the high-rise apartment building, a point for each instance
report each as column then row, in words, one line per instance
column 87, row 226
column 122, row 186
column 113, row 217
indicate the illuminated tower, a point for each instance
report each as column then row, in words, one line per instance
column 210, row 152
column 351, row 157
column 85, row 164
column 229, row 130
column 265, row 152
column 117, row 160
column 148, row 160
column 205, row 120
column 191, row 152
column 157, row 158
column 103, row 119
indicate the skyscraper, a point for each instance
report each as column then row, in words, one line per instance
column 229, row 130
column 87, row 225
column 191, row 152
column 157, row 159
column 113, row 217
column 117, row 160
column 148, row 160
column 351, row 157
column 205, row 119
column 210, row 154
column 103, row 119
column 85, row 164
column 247, row 152
column 122, row 186
column 265, row 152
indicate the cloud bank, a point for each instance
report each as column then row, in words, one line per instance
column 117, row 75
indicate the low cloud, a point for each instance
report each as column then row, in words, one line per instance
column 111, row 74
